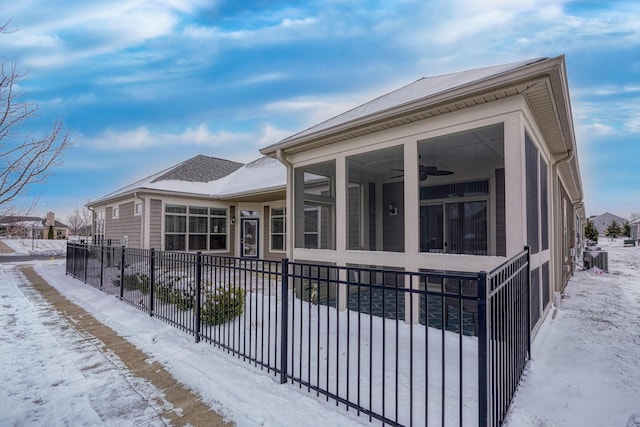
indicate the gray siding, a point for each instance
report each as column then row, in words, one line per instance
column 127, row 224
column 155, row 223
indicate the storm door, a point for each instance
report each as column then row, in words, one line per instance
column 249, row 234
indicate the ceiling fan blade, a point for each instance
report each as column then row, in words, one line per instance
column 439, row 172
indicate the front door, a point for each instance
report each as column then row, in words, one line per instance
column 249, row 237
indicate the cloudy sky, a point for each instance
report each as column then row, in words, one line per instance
column 145, row 84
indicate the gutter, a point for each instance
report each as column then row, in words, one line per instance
column 289, row 200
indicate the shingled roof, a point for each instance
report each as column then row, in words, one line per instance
column 199, row 169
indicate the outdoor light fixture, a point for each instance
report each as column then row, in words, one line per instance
column 233, row 221
column 393, row 210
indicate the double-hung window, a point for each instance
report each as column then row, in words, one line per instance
column 195, row 228
column 278, row 229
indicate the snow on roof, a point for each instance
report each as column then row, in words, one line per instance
column 420, row 89
column 262, row 174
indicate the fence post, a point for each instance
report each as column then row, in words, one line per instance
column 86, row 259
column 122, row 273
column 101, row 265
column 198, row 294
column 284, row 324
column 483, row 335
column 152, row 263
column 73, row 261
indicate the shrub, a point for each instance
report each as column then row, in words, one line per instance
column 164, row 292
column 183, row 298
column 136, row 281
column 222, row 305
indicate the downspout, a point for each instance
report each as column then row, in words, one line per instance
column 289, row 199
column 559, row 245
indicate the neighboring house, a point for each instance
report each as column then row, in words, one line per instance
column 456, row 172
column 601, row 222
column 634, row 227
column 33, row 227
column 202, row 204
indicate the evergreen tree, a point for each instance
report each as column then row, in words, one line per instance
column 50, row 234
column 626, row 230
column 590, row 231
column 613, row 230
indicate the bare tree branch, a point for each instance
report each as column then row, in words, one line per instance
column 25, row 159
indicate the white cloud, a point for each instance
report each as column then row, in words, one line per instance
column 312, row 110
column 142, row 138
column 270, row 135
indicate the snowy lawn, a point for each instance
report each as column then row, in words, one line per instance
column 36, row 246
column 586, row 358
column 585, row 369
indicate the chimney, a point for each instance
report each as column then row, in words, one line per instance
column 51, row 219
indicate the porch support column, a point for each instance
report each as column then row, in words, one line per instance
column 411, row 229
column 515, row 185
column 341, row 228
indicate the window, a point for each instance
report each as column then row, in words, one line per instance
column 115, row 212
column 198, row 227
column 195, row 228
column 137, row 208
column 458, row 225
column 218, row 229
column 278, row 229
column 175, row 228
column 455, row 228
column 312, row 226
column 315, row 206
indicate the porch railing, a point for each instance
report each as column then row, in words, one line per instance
column 401, row 348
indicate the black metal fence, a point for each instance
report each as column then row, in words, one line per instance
column 402, row 348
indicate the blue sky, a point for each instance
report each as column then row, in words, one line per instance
column 143, row 85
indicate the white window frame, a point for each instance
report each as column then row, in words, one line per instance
column 284, row 229
column 318, row 232
column 115, row 212
column 137, row 208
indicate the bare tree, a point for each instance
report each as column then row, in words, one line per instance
column 75, row 222
column 79, row 221
column 25, row 159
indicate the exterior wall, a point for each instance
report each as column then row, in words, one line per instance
column 126, row 225
column 155, row 223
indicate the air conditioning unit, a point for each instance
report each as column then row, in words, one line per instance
column 596, row 258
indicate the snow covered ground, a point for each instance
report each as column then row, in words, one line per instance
column 585, row 369
column 586, row 358
column 36, row 246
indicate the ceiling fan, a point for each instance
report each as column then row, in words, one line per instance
column 425, row 171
